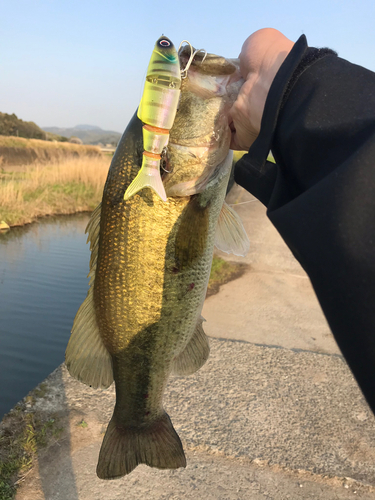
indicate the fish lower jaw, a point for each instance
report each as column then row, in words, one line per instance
column 197, row 184
column 213, row 141
column 200, row 151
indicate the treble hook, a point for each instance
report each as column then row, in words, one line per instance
column 169, row 171
column 192, row 55
column 163, row 161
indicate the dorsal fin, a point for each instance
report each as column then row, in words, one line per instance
column 92, row 230
column 86, row 357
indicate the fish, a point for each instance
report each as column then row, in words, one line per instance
column 149, row 270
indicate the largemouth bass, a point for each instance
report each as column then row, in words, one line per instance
column 149, row 270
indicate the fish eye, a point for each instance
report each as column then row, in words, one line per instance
column 164, row 43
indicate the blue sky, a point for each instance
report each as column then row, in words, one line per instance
column 65, row 63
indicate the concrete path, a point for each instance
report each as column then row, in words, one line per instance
column 274, row 414
column 273, row 303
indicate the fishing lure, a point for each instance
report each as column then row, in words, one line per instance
column 157, row 110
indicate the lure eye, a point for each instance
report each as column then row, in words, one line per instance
column 164, row 43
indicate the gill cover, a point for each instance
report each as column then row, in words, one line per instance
column 157, row 110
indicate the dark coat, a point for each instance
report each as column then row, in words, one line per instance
column 319, row 122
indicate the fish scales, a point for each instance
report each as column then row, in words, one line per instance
column 149, row 271
column 157, row 304
column 146, row 271
column 145, row 268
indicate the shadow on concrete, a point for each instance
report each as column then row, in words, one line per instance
column 59, row 451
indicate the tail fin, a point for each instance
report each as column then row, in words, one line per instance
column 124, row 448
column 148, row 176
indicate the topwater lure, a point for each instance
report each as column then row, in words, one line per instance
column 157, row 110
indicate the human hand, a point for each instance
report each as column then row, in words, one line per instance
column 261, row 56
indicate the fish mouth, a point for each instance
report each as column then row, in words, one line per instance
column 200, row 136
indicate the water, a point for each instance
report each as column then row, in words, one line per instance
column 43, row 269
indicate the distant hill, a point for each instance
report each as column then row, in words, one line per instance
column 11, row 125
column 89, row 134
column 87, row 127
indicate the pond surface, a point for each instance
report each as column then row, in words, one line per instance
column 43, row 269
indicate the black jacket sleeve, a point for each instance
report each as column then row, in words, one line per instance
column 319, row 122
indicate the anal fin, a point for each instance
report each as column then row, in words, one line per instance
column 195, row 353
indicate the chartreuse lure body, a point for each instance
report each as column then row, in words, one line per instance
column 157, row 110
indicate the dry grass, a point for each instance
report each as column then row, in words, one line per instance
column 20, row 142
column 20, row 151
column 61, row 188
column 24, row 432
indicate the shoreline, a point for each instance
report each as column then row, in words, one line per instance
column 46, row 216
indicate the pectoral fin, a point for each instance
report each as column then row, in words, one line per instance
column 86, row 357
column 230, row 235
column 195, row 353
